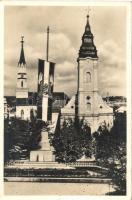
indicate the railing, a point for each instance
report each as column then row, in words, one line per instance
column 86, row 164
column 82, row 164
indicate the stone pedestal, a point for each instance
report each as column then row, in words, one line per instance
column 45, row 153
column 42, row 156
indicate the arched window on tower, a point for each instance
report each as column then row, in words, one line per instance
column 37, row 158
column 88, row 106
column 22, row 114
column 21, row 83
column 88, row 77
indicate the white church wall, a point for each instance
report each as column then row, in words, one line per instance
column 69, row 109
column 24, row 112
column 95, row 121
column 22, row 93
column 68, row 112
column 106, row 120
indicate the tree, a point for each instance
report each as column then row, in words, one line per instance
column 118, row 130
column 71, row 141
column 110, row 151
column 117, row 170
column 8, row 142
column 21, row 137
column 102, row 144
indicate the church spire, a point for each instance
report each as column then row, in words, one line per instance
column 88, row 21
column 88, row 49
column 22, row 57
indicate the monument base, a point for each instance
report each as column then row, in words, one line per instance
column 42, row 156
column 45, row 153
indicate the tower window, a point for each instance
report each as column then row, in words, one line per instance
column 22, row 114
column 87, row 29
column 21, row 83
column 37, row 158
column 87, row 40
column 89, row 106
column 88, row 97
column 88, row 77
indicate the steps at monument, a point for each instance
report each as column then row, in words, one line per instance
column 57, row 180
column 38, row 165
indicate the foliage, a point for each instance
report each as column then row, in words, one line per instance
column 118, row 131
column 102, row 142
column 110, row 150
column 118, row 170
column 107, row 141
column 20, row 137
column 71, row 141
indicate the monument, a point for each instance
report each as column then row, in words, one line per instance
column 44, row 106
column 46, row 151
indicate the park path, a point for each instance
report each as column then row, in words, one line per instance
column 28, row 188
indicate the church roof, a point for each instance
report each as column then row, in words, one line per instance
column 22, row 56
column 88, row 49
column 60, row 95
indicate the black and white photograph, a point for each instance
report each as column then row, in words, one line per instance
column 65, row 99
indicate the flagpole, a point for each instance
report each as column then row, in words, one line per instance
column 47, row 49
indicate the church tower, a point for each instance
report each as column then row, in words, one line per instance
column 89, row 104
column 22, row 88
column 87, row 75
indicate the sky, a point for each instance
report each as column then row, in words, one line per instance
column 67, row 24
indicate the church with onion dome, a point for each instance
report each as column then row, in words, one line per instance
column 87, row 103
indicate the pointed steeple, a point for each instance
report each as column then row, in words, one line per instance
column 88, row 49
column 22, row 57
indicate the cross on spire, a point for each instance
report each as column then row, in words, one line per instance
column 22, row 38
column 88, row 11
column 22, row 41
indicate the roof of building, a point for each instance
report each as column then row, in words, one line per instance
column 32, row 98
column 11, row 100
column 115, row 98
column 61, row 95
column 88, row 49
column 122, row 109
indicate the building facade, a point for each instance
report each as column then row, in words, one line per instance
column 23, row 108
column 5, row 108
column 87, row 103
